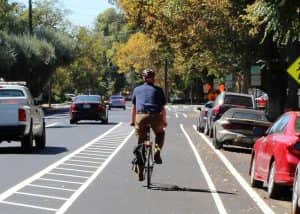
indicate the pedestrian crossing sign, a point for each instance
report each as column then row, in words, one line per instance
column 294, row 70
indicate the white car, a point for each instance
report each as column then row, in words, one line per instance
column 21, row 118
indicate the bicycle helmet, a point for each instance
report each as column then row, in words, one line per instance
column 148, row 73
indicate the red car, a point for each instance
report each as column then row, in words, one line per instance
column 276, row 155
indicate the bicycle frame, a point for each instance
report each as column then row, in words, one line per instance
column 149, row 164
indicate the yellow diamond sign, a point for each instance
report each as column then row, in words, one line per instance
column 294, row 70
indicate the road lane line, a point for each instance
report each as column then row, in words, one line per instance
column 48, row 187
column 71, row 164
column 211, row 185
column 185, row 115
column 52, row 125
column 256, row 198
column 84, row 161
column 29, row 180
column 42, row 196
column 75, row 170
column 64, row 208
column 68, row 175
column 60, row 181
column 27, row 205
column 91, row 158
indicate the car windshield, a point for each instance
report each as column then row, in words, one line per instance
column 11, row 93
column 87, row 99
column 249, row 116
column 238, row 100
column 297, row 124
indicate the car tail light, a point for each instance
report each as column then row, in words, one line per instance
column 100, row 108
column 231, row 126
column 73, row 107
column 22, row 114
column 205, row 113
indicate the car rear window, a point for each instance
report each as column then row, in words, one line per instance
column 238, row 100
column 297, row 124
column 87, row 99
column 116, row 98
column 249, row 116
column 11, row 93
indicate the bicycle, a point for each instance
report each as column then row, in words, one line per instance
column 144, row 159
column 149, row 158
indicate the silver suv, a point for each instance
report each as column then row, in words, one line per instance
column 21, row 118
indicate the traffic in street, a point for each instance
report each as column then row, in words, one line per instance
column 86, row 167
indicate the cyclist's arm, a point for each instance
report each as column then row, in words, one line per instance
column 133, row 114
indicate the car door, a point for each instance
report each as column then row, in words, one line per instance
column 269, row 144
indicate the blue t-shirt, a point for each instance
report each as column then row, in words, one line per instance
column 148, row 98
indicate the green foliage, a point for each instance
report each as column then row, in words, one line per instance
column 7, row 54
column 279, row 19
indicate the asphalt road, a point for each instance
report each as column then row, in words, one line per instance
column 86, row 168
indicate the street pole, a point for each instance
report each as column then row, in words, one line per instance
column 30, row 17
column 166, row 79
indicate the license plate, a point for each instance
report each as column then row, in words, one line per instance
column 86, row 106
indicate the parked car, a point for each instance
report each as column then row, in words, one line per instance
column 117, row 101
column 276, row 154
column 261, row 101
column 239, row 126
column 21, row 117
column 201, row 121
column 88, row 107
column 223, row 102
column 296, row 192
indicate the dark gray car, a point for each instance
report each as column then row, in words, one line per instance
column 239, row 126
column 223, row 102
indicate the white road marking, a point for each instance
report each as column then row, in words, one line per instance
column 75, row 170
column 211, row 185
column 60, row 181
column 30, row 206
column 47, row 187
column 185, row 115
column 52, row 125
column 42, row 196
column 256, row 198
column 70, row 164
column 176, row 115
column 64, row 208
column 68, row 175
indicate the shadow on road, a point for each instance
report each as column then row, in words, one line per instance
column 170, row 187
column 237, row 149
column 49, row 150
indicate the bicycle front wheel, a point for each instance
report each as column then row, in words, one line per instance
column 149, row 166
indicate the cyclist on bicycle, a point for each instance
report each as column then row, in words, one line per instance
column 149, row 108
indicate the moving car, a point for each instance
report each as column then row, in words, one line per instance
column 203, row 115
column 88, row 107
column 21, row 118
column 296, row 192
column 239, row 126
column 117, row 101
column 276, row 154
column 223, row 102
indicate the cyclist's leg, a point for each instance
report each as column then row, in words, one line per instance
column 159, row 131
column 141, row 133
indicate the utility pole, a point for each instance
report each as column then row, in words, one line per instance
column 30, row 17
column 166, row 79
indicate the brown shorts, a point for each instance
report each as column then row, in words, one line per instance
column 156, row 123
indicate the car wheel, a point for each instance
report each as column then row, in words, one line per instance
column 27, row 142
column 40, row 141
column 206, row 129
column 295, row 197
column 217, row 144
column 72, row 121
column 253, row 181
column 273, row 188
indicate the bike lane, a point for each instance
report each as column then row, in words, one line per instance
column 179, row 186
